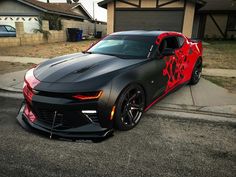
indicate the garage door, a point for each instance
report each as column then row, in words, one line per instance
column 149, row 20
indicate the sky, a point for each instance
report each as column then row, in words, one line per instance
column 100, row 13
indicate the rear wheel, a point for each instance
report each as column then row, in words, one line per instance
column 130, row 107
column 197, row 72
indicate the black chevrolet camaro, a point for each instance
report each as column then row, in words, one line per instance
column 108, row 86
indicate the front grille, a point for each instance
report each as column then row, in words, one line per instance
column 63, row 120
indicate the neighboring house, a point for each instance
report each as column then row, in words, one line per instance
column 28, row 11
column 216, row 19
column 194, row 18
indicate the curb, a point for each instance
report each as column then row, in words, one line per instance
column 194, row 115
column 11, row 94
column 11, row 89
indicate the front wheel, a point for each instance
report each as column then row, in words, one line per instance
column 130, row 107
column 197, row 72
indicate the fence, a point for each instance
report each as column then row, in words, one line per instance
column 23, row 38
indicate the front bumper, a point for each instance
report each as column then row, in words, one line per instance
column 89, row 130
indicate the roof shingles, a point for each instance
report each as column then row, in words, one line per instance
column 60, row 8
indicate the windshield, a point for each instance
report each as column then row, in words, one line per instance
column 125, row 46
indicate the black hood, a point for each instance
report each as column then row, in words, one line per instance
column 80, row 67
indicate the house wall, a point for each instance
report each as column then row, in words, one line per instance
column 110, row 17
column 30, row 22
column 211, row 30
column 148, row 4
column 9, row 41
column 176, row 4
column 188, row 17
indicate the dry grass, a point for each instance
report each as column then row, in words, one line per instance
column 220, row 54
column 7, row 67
column 46, row 50
column 226, row 82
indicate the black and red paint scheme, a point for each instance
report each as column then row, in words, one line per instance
column 86, row 95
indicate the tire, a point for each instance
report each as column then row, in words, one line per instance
column 129, row 107
column 197, row 72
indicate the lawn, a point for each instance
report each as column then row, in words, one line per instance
column 216, row 54
column 220, row 54
column 46, row 50
column 7, row 67
column 226, row 82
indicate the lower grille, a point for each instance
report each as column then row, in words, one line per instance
column 93, row 117
column 63, row 120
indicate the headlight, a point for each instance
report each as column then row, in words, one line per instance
column 88, row 96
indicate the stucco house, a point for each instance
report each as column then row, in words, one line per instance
column 28, row 11
column 194, row 18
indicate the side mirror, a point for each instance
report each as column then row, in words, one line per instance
column 167, row 52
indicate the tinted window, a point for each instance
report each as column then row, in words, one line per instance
column 126, row 46
column 3, row 29
column 10, row 29
column 181, row 41
column 170, row 42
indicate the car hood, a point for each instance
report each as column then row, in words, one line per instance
column 80, row 67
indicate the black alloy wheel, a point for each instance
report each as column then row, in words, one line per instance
column 197, row 72
column 130, row 107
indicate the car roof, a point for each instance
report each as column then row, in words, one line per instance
column 141, row 33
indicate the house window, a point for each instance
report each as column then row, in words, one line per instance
column 10, row 29
column 2, row 29
column 232, row 22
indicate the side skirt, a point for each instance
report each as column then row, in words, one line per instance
column 165, row 94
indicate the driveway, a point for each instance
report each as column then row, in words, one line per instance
column 158, row 146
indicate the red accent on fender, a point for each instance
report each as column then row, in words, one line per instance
column 29, row 114
column 179, row 67
column 30, row 79
column 29, row 85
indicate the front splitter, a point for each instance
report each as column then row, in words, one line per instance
column 89, row 131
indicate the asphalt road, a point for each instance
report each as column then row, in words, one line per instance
column 158, row 146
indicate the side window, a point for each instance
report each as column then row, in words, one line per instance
column 2, row 29
column 181, row 41
column 169, row 42
column 10, row 29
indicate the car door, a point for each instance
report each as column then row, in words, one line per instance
column 172, row 71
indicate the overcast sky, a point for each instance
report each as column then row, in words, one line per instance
column 100, row 13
